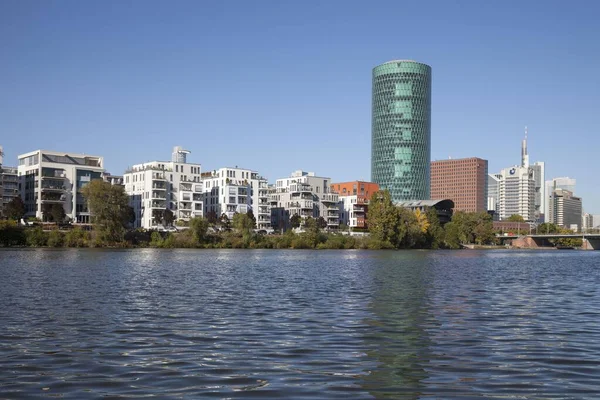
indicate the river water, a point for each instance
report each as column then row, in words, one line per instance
column 299, row 324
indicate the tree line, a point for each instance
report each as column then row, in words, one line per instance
column 390, row 227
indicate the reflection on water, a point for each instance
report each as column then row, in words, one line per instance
column 398, row 339
column 299, row 324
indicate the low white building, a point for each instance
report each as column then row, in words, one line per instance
column 236, row 190
column 49, row 177
column 306, row 195
column 156, row 186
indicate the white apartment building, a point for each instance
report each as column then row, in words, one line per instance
column 353, row 210
column 49, row 177
column 306, row 195
column 237, row 190
column 156, row 186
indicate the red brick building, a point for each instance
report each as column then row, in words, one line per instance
column 464, row 181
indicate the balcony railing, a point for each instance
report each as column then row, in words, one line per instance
column 329, row 198
column 302, row 188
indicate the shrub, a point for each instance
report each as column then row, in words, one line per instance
column 11, row 234
column 77, row 238
column 36, row 237
column 55, row 238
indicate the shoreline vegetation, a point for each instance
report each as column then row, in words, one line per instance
column 390, row 227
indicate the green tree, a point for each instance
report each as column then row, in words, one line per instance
column 15, row 209
column 384, row 220
column 321, row 223
column 168, row 217
column 452, row 235
column 57, row 212
column 211, row 216
column 515, row 218
column 547, row 228
column 242, row 223
column 129, row 216
column 109, row 207
column 295, row 221
column 199, row 229
column 250, row 215
column 435, row 232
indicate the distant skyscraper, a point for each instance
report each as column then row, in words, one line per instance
column 565, row 183
column 565, row 209
column 179, row 155
column 464, row 181
column 493, row 183
column 521, row 190
column 539, row 171
column 401, row 129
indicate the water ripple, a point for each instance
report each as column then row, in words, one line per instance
column 299, row 324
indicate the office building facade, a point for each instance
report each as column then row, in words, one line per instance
column 464, row 181
column 565, row 209
column 401, row 129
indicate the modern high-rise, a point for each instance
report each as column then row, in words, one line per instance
column 565, row 209
column 493, row 185
column 520, row 189
column 401, row 129
column 50, row 178
column 155, row 186
column 464, row 181
column 539, row 172
column 551, row 185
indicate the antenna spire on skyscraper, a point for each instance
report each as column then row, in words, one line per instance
column 524, row 155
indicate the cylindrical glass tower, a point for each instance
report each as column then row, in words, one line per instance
column 401, row 129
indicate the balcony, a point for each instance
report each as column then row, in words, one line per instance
column 53, row 188
column 56, row 175
column 185, row 206
column 330, row 198
column 53, row 198
column 158, row 196
column 158, row 177
column 159, row 186
column 359, row 209
column 300, row 188
column 158, row 205
column 186, row 187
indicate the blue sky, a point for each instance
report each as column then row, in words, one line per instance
column 279, row 85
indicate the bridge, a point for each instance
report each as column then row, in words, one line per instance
column 590, row 241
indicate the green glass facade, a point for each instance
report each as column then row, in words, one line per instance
column 401, row 129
